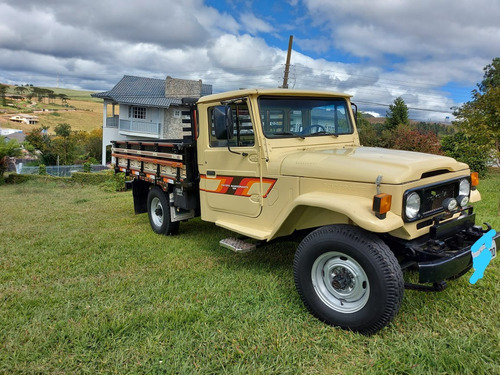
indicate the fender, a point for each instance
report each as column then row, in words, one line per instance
column 358, row 211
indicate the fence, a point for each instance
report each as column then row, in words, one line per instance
column 60, row 170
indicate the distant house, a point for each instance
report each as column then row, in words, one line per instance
column 146, row 108
column 16, row 134
column 26, row 119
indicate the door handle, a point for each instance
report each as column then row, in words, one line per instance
column 254, row 158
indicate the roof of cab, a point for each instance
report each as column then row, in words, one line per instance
column 273, row 92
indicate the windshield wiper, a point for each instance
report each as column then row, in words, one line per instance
column 289, row 133
column 322, row 132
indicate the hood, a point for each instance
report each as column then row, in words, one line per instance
column 365, row 164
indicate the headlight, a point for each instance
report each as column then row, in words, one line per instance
column 412, row 205
column 450, row 204
column 463, row 200
column 464, row 188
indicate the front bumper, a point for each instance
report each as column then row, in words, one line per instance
column 445, row 253
column 445, row 268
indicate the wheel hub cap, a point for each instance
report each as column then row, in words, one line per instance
column 157, row 212
column 340, row 282
column 342, row 279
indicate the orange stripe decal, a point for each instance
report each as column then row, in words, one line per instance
column 240, row 186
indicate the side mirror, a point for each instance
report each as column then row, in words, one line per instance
column 355, row 110
column 223, row 121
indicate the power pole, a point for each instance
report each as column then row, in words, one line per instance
column 287, row 65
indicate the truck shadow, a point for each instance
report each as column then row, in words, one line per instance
column 270, row 257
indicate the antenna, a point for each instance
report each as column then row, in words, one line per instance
column 287, row 65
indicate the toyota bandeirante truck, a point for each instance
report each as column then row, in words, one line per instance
column 266, row 164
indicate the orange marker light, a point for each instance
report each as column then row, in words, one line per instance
column 474, row 179
column 382, row 204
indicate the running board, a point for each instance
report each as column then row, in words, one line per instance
column 237, row 245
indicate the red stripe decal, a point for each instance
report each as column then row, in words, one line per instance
column 239, row 186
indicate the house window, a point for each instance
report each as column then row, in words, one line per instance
column 137, row 112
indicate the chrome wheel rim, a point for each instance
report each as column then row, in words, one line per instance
column 340, row 282
column 157, row 212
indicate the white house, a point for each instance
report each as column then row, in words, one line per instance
column 146, row 108
column 26, row 119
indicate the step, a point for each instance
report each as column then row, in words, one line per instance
column 237, row 245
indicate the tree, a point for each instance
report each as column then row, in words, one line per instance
column 64, row 98
column 38, row 139
column 491, row 76
column 397, row 114
column 467, row 149
column 38, row 92
column 8, row 149
column 368, row 134
column 3, row 91
column 51, row 95
column 20, row 90
column 93, row 144
column 64, row 144
column 479, row 119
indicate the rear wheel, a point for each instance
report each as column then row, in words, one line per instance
column 349, row 278
column 159, row 213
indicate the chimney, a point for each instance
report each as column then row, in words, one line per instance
column 182, row 88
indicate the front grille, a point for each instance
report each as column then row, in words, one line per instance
column 432, row 198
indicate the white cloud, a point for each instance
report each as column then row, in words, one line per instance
column 237, row 53
column 401, row 47
column 319, row 44
column 412, row 30
column 255, row 25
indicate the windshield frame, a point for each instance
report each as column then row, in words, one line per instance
column 304, row 117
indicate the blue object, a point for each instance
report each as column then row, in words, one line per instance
column 481, row 255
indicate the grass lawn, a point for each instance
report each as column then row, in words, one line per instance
column 87, row 287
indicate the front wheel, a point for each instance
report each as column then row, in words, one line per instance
column 159, row 213
column 349, row 278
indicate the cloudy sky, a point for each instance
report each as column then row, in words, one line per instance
column 432, row 53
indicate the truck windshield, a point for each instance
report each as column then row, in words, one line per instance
column 304, row 117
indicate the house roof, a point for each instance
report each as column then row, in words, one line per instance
column 28, row 117
column 20, row 137
column 149, row 92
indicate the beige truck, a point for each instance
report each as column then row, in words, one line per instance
column 272, row 163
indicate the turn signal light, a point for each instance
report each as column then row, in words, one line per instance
column 474, row 179
column 382, row 204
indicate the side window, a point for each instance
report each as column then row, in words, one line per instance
column 137, row 112
column 243, row 133
column 343, row 126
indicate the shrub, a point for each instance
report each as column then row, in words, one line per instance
column 405, row 138
column 466, row 149
column 42, row 170
column 18, row 178
column 107, row 179
column 15, row 178
column 87, row 167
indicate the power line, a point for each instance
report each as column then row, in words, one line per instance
column 412, row 108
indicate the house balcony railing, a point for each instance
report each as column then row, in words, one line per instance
column 112, row 122
column 148, row 129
